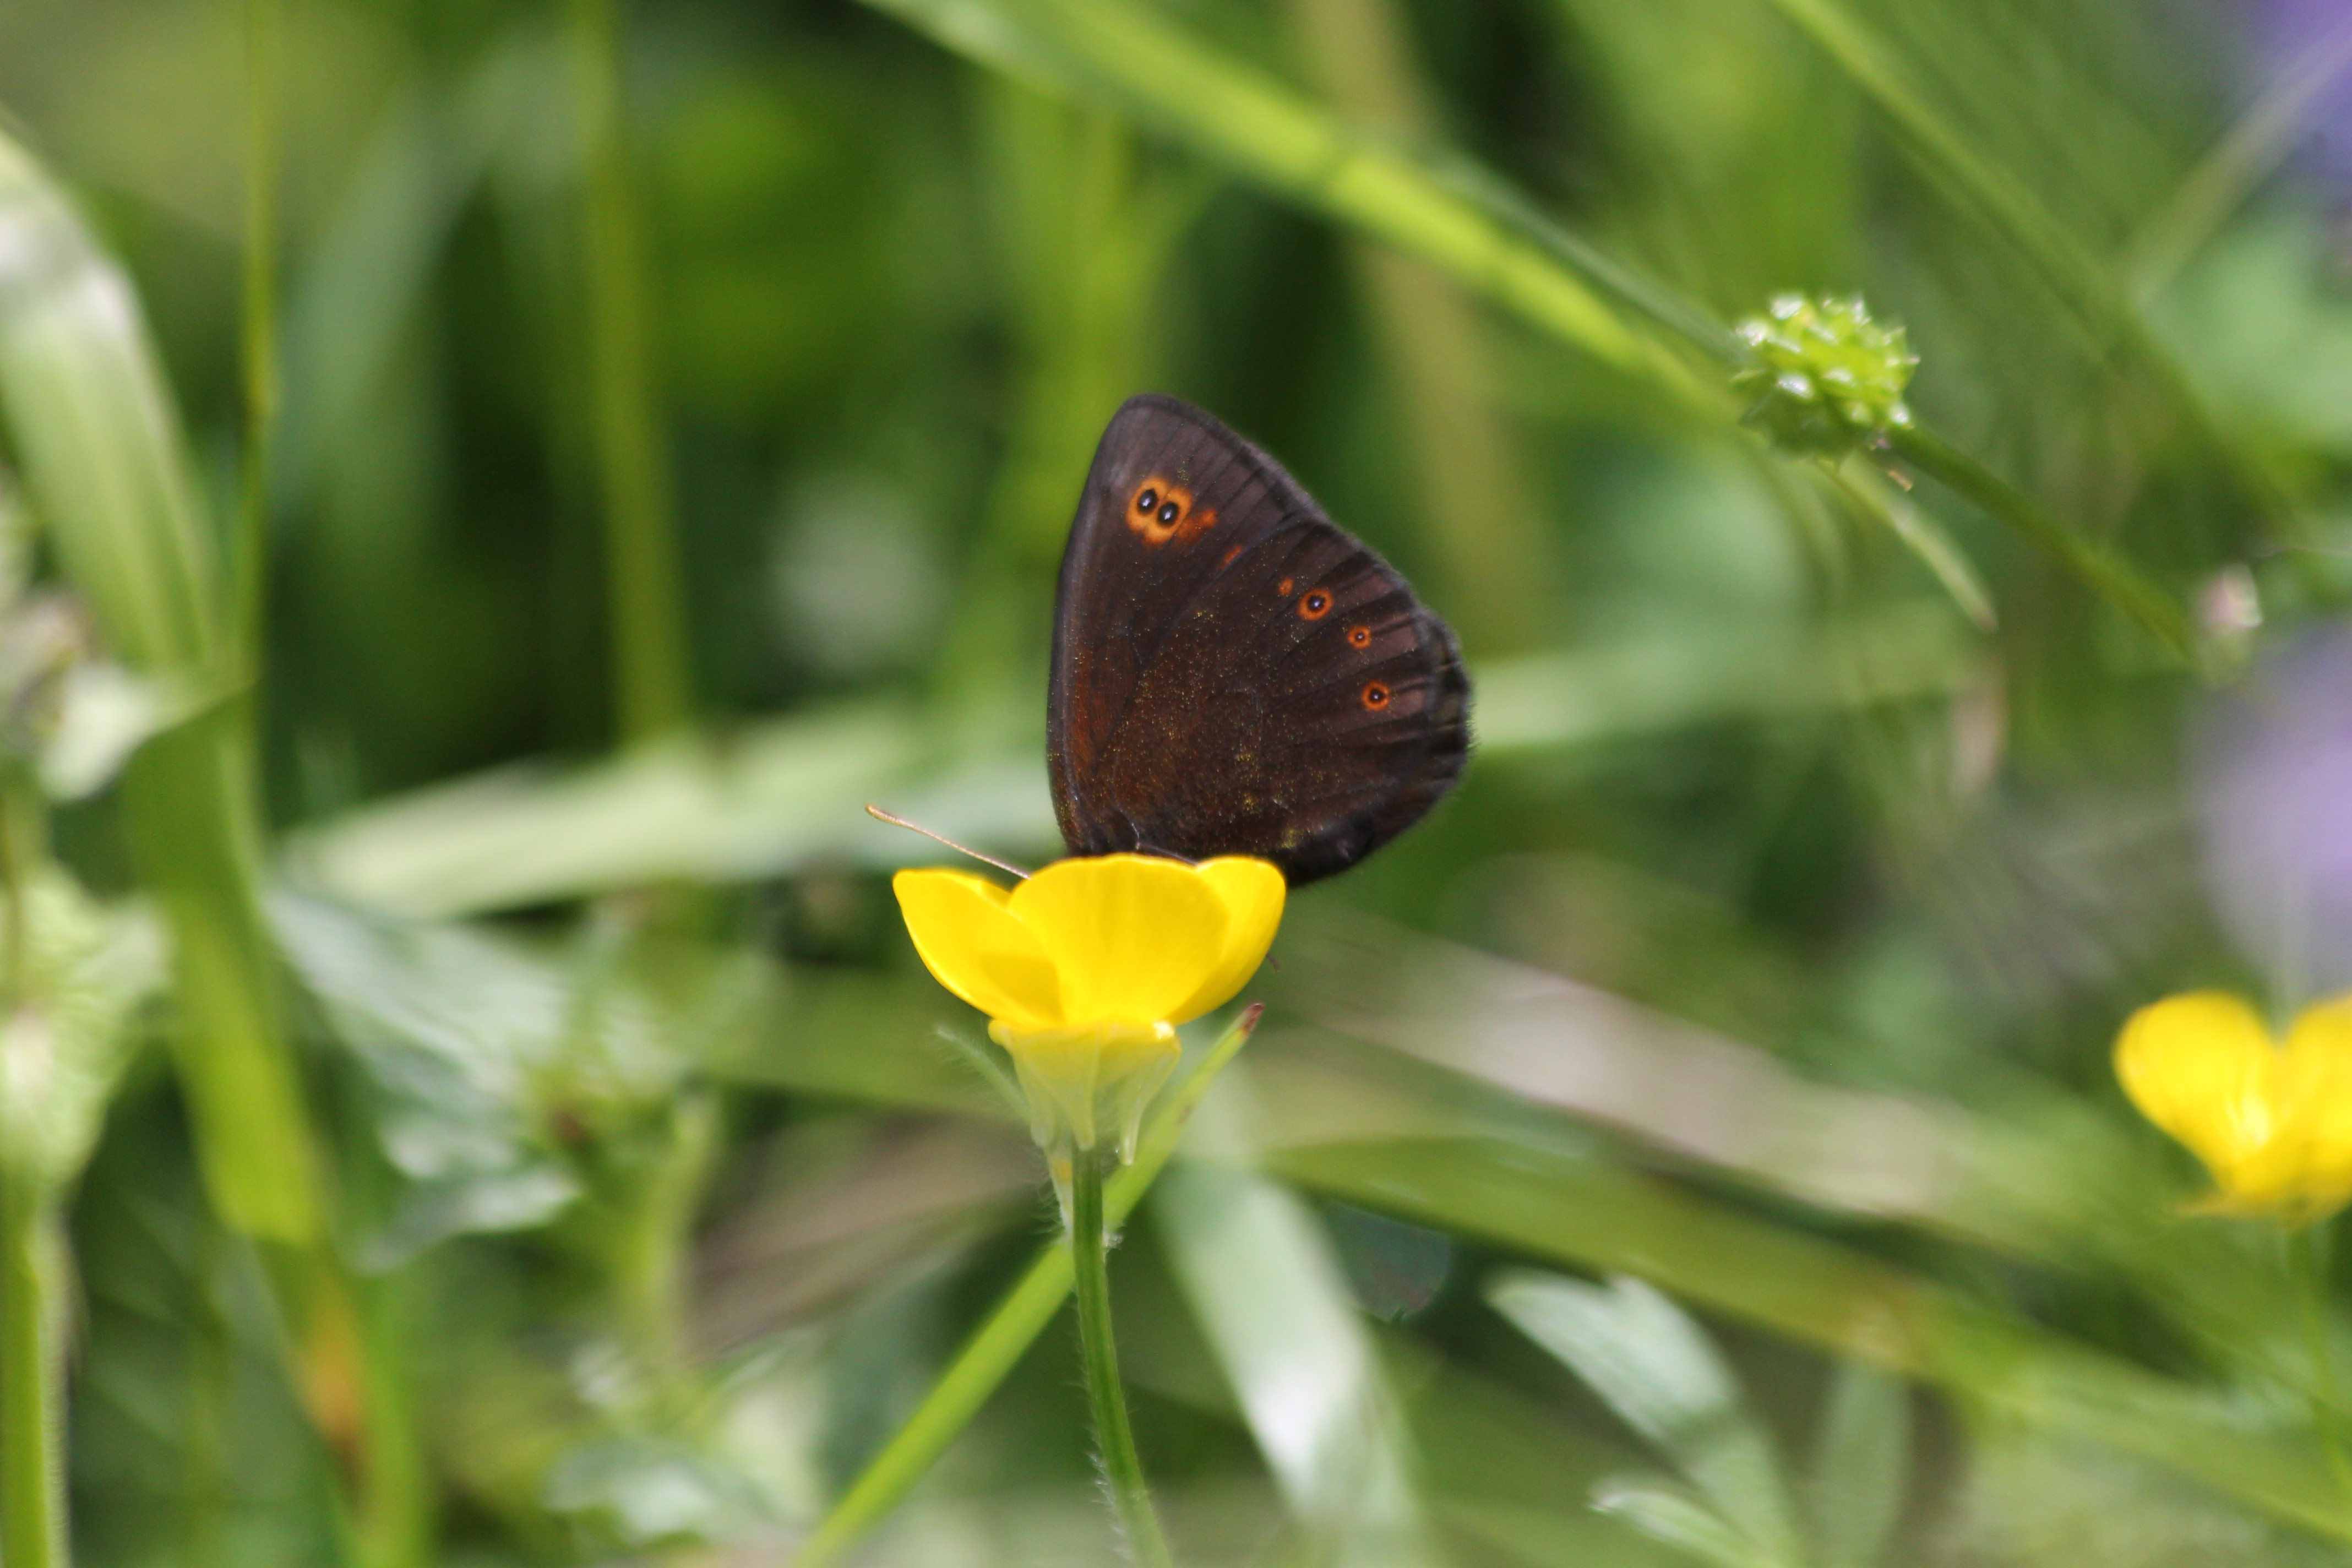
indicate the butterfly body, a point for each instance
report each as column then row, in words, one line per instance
column 1233, row 674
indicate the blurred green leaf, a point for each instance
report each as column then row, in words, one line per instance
column 498, row 1066
column 779, row 796
column 642, row 1495
column 1263, row 1283
column 1587, row 1213
column 1861, row 1467
column 81, row 975
column 1668, row 1513
column 1656, row 1368
column 717, row 808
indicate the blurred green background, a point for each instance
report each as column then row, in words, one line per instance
column 473, row 1101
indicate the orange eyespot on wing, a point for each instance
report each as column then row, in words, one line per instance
column 1285, row 587
column 1159, row 510
column 1360, row 636
column 1376, row 695
column 1316, row 605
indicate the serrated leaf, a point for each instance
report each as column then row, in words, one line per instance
column 1670, row 1516
column 493, row 1060
column 1656, row 1369
column 643, row 1493
column 64, row 1034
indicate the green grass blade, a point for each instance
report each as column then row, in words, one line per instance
column 688, row 808
column 33, row 1320
column 653, row 680
column 1123, row 57
column 2081, row 281
column 1592, row 1216
column 778, row 794
column 258, row 334
column 94, row 429
column 1481, row 521
column 2240, row 162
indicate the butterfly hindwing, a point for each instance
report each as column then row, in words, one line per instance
column 1238, row 675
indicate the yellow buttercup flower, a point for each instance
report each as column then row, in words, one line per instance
column 2273, row 1125
column 1086, row 969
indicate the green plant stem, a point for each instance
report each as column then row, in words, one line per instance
column 650, row 1242
column 2307, row 1266
column 651, row 682
column 1099, row 1354
column 2100, row 568
column 32, row 1399
column 32, row 1395
column 989, row 1355
column 399, row 1508
column 249, row 591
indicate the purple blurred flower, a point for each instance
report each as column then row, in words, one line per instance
column 2286, row 36
column 2272, row 762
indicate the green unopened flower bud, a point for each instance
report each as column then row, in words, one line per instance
column 1822, row 377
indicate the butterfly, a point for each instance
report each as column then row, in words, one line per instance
column 1232, row 673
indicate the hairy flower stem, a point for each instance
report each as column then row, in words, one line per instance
column 1114, row 1438
column 2307, row 1263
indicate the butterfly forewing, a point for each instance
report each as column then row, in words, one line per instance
column 1234, row 674
column 1130, row 568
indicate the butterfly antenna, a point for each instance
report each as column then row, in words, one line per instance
column 878, row 814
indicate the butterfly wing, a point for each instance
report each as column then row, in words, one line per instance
column 1232, row 673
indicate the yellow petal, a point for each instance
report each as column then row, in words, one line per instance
column 2315, row 1093
column 1251, row 892
column 1132, row 935
column 971, row 941
column 2201, row 1066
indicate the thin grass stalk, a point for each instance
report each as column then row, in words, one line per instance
column 1131, row 62
column 2082, row 281
column 248, row 589
column 2104, row 570
column 1122, row 1469
column 32, row 1364
column 988, row 1356
column 652, row 677
column 2240, row 161
column 1483, row 527
column 1451, row 214
column 32, row 1377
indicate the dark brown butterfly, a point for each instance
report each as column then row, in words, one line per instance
column 1232, row 673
